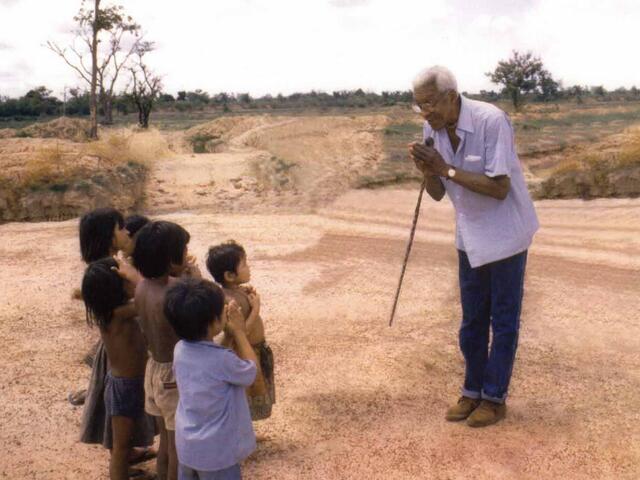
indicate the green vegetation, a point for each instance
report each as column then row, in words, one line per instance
column 199, row 142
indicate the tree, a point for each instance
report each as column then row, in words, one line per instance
column 145, row 85
column 121, row 29
column 548, row 88
column 577, row 92
column 519, row 75
column 599, row 91
column 102, row 76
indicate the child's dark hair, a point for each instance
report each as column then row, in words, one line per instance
column 190, row 306
column 133, row 223
column 224, row 258
column 158, row 244
column 96, row 233
column 102, row 291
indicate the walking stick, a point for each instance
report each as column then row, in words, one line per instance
column 429, row 143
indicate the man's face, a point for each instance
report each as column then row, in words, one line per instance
column 436, row 107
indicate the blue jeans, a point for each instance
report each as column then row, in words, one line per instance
column 231, row 473
column 491, row 296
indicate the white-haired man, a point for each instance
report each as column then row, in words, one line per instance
column 474, row 161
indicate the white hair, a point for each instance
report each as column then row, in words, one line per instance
column 440, row 76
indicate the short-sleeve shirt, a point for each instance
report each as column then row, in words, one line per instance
column 213, row 423
column 487, row 229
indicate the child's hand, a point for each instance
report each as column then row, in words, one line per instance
column 254, row 301
column 190, row 267
column 248, row 289
column 235, row 320
column 127, row 272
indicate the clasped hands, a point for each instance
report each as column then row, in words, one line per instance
column 427, row 159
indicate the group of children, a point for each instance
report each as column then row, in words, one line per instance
column 187, row 351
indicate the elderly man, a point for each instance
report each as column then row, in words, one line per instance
column 473, row 160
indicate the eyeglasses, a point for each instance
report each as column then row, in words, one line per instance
column 428, row 106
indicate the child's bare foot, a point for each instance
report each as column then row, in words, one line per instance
column 77, row 398
column 141, row 454
column 140, row 474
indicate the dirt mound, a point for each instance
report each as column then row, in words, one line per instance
column 328, row 154
column 268, row 163
column 45, row 178
column 7, row 132
column 64, row 128
column 211, row 136
column 609, row 169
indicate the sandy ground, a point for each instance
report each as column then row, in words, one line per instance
column 357, row 399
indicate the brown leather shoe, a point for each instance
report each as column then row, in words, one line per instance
column 487, row 413
column 462, row 409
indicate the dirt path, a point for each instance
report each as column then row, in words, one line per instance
column 264, row 164
column 355, row 398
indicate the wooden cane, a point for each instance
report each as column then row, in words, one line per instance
column 416, row 214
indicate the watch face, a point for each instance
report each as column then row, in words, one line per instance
column 451, row 173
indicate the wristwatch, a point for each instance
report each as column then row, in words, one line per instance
column 451, row 173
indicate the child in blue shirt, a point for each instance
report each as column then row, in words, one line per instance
column 213, row 424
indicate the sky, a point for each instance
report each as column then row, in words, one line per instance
column 286, row 46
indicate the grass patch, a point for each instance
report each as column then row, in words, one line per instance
column 627, row 156
column 59, row 167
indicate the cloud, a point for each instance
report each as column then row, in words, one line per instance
column 348, row 3
column 289, row 45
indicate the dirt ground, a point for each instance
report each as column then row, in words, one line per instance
column 355, row 398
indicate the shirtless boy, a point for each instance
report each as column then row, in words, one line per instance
column 228, row 265
column 160, row 254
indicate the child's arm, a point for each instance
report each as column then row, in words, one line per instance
column 236, row 328
column 254, row 301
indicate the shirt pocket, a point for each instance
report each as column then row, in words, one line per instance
column 473, row 163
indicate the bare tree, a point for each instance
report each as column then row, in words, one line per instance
column 102, row 74
column 145, row 84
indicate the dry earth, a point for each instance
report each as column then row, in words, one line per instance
column 356, row 399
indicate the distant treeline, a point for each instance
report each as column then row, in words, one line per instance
column 41, row 102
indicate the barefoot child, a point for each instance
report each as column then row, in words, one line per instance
column 228, row 265
column 213, row 424
column 107, row 303
column 103, row 233
column 160, row 251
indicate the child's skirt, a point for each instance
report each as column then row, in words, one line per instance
column 262, row 394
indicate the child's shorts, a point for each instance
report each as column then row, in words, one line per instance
column 231, row 473
column 262, row 394
column 161, row 392
column 124, row 397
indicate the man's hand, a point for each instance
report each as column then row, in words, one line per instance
column 428, row 159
